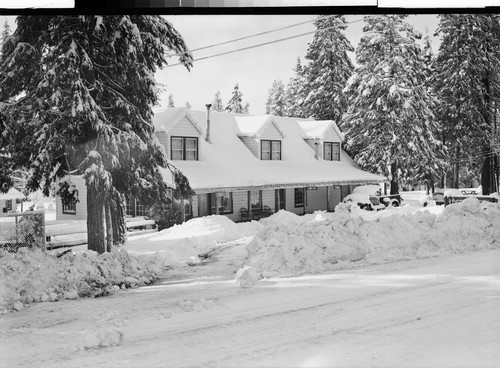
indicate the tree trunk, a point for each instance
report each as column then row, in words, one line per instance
column 394, row 179
column 456, row 169
column 95, row 220
column 109, row 224
column 118, row 219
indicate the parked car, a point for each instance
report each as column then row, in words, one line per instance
column 369, row 197
column 440, row 193
column 438, row 196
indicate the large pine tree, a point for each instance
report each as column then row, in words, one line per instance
column 77, row 96
column 389, row 124
column 276, row 104
column 328, row 71
column 467, row 83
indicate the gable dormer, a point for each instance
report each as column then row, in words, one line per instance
column 324, row 137
column 178, row 134
column 262, row 136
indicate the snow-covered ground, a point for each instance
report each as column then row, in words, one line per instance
column 400, row 287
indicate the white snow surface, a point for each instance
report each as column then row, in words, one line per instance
column 350, row 236
column 198, row 235
column 440, row 311
column 227, row 162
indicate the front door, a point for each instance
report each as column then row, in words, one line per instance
column 280, row 195
column 203, row 204
column 334, row 197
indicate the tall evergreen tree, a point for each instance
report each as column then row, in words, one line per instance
column 295, row 92
column 275, row 104
column 389, row 124
column 217, row 104
column 188, row 105
column 328, row 71
column 235, row 103
column 5, row 32
column 171, row 101
column 79, row 90
column 467, row 83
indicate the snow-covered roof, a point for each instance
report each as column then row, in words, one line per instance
column 227, row 162
column 166, row 119
column 317, row 129
column 13, row 193
column 254, row 125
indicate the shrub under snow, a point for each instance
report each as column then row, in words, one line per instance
column 324, row 241
column 31, row 275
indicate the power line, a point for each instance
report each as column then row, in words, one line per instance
column 261, row 44
column 253, row 35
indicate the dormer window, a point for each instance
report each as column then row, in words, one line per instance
column 331, row 151
column 184, row 148
column 270, row 150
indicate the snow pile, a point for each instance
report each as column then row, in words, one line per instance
column 246, row 277
column 185, row 241
column 323, row 242
column 30, row 275
column 102, row 338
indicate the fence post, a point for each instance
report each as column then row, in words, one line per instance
column 43, row 231
column 17, row 232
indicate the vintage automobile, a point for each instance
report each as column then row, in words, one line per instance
column 369, row 197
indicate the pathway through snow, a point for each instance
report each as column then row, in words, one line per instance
column 432, row 312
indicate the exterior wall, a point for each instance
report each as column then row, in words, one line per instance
column 184, row 128
column 163, row 139
column 290, row 202
column 316, row 200
column 268, row 199
column 253, row 145
column 240, row 200
column 81, row 207
column 270, row 132
column 332, row 136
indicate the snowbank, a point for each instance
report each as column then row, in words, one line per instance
column 198, row 235
column 324, row 241
column 31, row 276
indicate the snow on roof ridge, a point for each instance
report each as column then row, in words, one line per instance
column 253, row 125
column 316, row 129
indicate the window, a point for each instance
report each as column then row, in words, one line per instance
column 184, row 148
column 331, row 151
column 69, row 208
column 299, row 197
column 224, row 201
column 255, row 199
column 270, row 150
column 129, row 207
column 140, row 209
column 8, row 204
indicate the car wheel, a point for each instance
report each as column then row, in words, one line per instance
column 395, row 204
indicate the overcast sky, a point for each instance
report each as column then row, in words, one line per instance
column 253, row 69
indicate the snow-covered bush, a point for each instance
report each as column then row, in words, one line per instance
column 31, row 275
column 324, row 241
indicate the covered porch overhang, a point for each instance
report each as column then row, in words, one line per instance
column 204, row 190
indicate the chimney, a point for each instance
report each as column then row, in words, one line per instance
column 207, row 138
column 316, row 150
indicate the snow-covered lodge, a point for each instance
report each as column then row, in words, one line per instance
column 245, row 166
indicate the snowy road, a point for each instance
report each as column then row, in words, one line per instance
column 432, row 312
